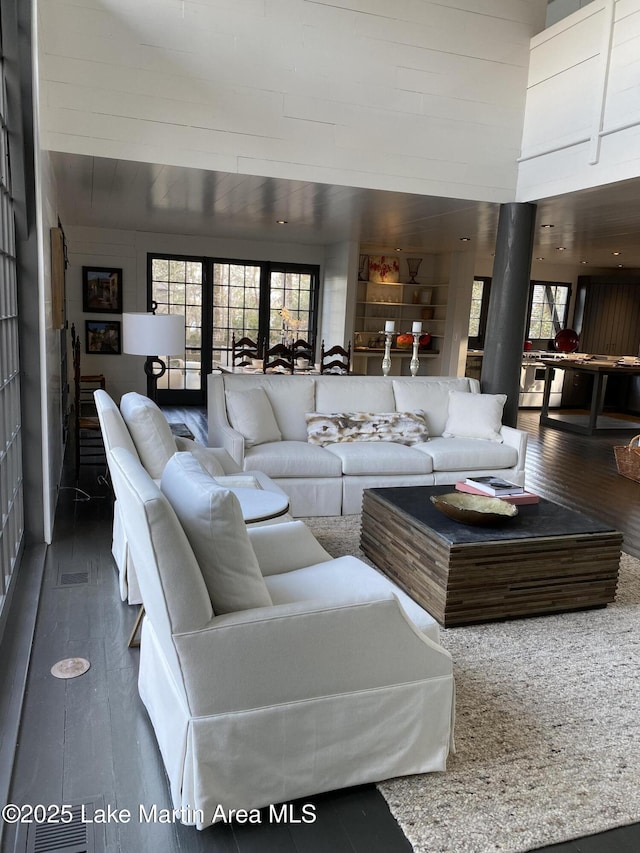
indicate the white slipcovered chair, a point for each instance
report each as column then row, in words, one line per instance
column 331, row 677
column 140, row 427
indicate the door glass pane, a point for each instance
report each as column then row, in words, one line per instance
column 176, row 287
column 236, row 306
column 290, row 307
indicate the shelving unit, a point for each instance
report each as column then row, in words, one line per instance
column 402, row 302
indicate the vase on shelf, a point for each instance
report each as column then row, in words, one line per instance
column 414, row 265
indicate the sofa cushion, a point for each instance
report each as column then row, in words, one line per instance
column 474, row 416
column 430, row 397
column 290, row 397
column 382, row 457
column 150, row 432
column 467, row 454
column 212, row 519
column 292, row 459
column 250, row 413
column 400, row 427
column 354, row 394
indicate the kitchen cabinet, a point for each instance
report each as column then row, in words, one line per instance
column 608, row 319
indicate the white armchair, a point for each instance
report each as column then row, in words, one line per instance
column 140, row 427
column 330, row 683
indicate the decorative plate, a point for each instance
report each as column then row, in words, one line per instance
column 474, row 509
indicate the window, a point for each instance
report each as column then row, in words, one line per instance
column 293, row 293
column 265, row 301
column 11, row 479
column 236, row 305
column 548, row 306
column 547, row 311
column 176, row 288
column 478, row 312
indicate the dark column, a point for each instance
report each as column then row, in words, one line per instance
column 507, row 316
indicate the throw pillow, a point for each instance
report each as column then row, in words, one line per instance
column 474, row 415
column 250, row 413
column 212, row 519
column 399, row 427
column 150, row 432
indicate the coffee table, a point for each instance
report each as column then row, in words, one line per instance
column 545, row 560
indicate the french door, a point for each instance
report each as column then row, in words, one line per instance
column 266, row 301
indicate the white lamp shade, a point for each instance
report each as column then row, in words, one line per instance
column 153, row 334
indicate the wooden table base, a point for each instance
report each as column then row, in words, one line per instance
column 484, row 581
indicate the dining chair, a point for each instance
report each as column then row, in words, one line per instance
column 336, row 359
column 278, row 356
column 244, row 351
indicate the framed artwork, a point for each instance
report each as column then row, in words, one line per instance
column 103, row 337
column 102, row 289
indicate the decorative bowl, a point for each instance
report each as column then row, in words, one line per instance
column 566, row 340
column 474, row 509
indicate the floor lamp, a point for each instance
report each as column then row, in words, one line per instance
column 153, row 333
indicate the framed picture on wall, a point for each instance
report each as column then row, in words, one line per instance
column 103, row 337
column 102, row 289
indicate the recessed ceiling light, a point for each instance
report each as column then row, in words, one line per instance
column 540, row 258
column 465, row 239
column 584, row 262
column 620, row 266
column 398, row 249
column 547, row 226
column 282, row 221
column 615, row 253
column 561, row 248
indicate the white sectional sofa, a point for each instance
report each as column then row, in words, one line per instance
column 262, row 422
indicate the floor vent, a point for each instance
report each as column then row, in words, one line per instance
column 73, row 578
column 78, row 836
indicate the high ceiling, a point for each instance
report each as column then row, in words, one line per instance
column 591, row 225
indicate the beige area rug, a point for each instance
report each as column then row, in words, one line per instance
column 547, row 728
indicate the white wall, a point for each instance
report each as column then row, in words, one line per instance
column 337, row 295
column 128, row 250
column 423, row 97
column 582, row 118
column 52, row 379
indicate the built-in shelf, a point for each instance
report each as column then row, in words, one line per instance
column 405, row 303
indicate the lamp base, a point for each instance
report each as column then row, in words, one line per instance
column 153, row 375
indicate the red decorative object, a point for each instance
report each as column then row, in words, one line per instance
column 425, row 340
column 528, row 346
column 405, row 340
column 566, row 340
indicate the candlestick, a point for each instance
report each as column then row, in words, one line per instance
column 388, row 337
column 414, row 364
column 389, row 327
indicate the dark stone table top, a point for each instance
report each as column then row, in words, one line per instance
column 533, row 520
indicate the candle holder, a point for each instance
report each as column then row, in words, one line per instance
column 414, row 364
column 386, row 360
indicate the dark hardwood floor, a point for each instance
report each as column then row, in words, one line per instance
column 89, row 738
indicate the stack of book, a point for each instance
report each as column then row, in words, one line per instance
column 497, row 487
